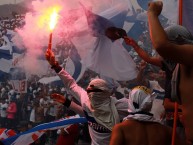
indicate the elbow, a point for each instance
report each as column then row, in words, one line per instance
column 162, row 47
column 158, row 45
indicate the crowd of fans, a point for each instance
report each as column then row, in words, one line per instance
column 22, row 111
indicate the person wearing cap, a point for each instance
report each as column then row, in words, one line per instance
column 101, row 110
column 182, row 79
column 140, row 127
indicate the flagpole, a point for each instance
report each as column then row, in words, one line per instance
column 180, row 13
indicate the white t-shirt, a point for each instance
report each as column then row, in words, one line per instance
column 52, row 109
column 44, row 103
column 32, row 116
column 157, row 107
column 99, row 134
column 3, row 110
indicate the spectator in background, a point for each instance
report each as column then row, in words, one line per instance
column 3, row 92
column 11, row 112
column 4, row 106
column 37, row 113
column 122, row 88
column 44, row 104
column 51, row 114
column 181, row 54
column 69, row 134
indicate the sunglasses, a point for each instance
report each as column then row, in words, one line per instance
column 94, row 90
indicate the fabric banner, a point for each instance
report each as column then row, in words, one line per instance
column 19, row 86
column 31, row 135
column 91, row 49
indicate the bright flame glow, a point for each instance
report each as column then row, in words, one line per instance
column 48, row 18
column 53, row 19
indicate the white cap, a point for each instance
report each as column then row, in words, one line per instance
column 139, row 99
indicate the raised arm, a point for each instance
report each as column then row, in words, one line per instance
column 179, row 53
column 142, row 53
column 69, row 83
column 141, row 79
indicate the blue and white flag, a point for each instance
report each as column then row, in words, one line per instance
column 110, row 59
column 33, row 134
column 8, row 53
column 105, row 57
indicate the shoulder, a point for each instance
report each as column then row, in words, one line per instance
column 126, row 124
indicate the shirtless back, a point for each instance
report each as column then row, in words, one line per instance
column 186, row 94
column 133, row 132
column 181, row 54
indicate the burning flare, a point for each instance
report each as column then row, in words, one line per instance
column 53, row 19
column 53, row 22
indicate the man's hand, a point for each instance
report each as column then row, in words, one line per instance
column 50, row 57
column 58, row 98
column 155, row 7
column 115, row 33
column 130, row 41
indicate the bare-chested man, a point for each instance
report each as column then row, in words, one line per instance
column 182, row 54
column 140, row 128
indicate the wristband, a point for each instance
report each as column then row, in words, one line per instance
column 67, row 102
column 56, row 67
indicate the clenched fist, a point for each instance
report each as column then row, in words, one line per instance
column 50, row 57
column 155, row 7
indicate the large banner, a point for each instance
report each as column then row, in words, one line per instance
column 79, row 43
